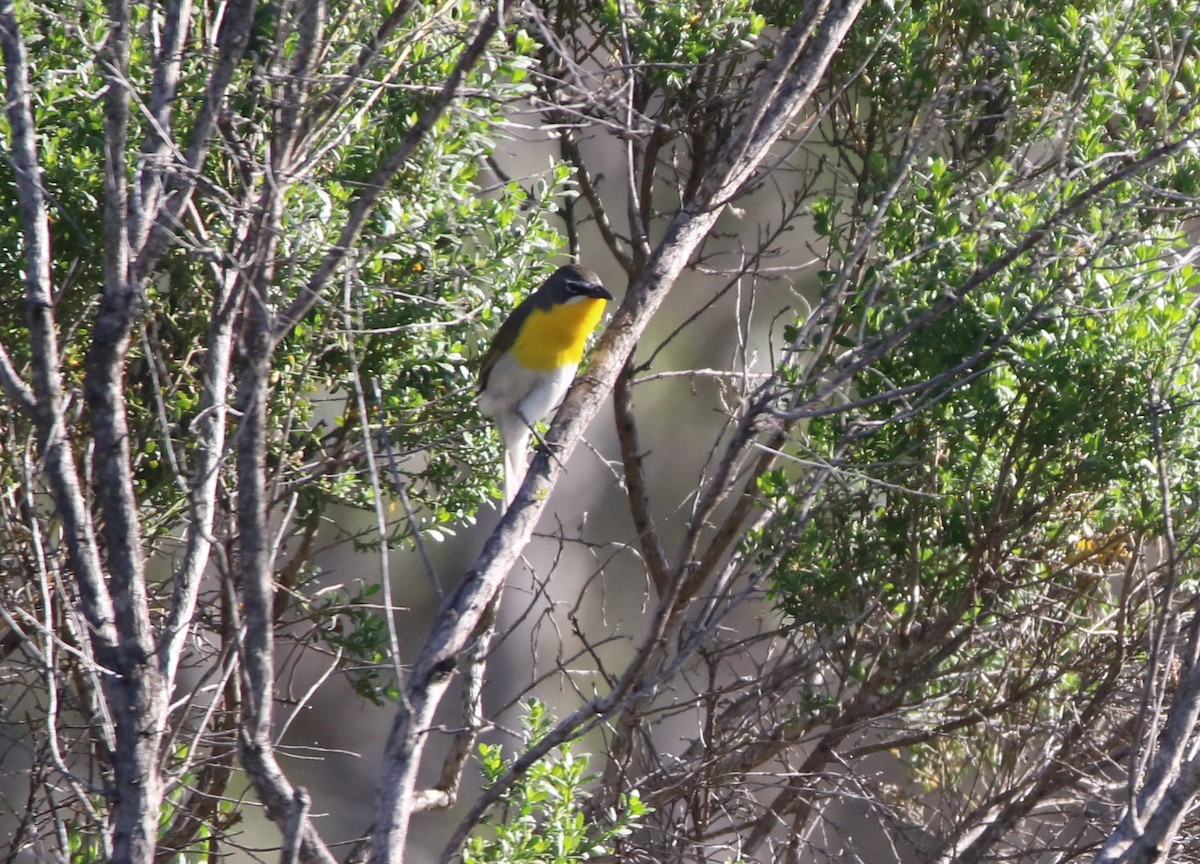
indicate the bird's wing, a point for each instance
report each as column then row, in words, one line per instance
column 504, row 339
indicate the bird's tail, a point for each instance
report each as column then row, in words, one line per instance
column 515, row 436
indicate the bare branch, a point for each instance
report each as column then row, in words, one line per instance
column 445, row 793
column 46, row 378
column 783, row 88
column 237, row 26
column 295, row 829
column 256, row 648
column 209, row 431
column 158, row 146
column 635, row 481
column 14, row 385
column 1154, row 813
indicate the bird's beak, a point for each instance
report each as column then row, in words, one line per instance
column 600, row 292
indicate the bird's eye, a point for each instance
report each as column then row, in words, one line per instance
column 575, row 287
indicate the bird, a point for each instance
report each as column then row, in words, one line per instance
column 533, row 357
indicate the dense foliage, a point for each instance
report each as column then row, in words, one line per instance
column 1016, row 429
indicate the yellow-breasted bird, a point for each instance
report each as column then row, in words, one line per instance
column 533, row 357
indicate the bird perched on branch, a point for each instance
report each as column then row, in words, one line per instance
column 533, row 357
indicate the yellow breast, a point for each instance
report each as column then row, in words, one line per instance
column 555, row 337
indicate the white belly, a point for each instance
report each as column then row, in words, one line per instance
column 533, row 393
